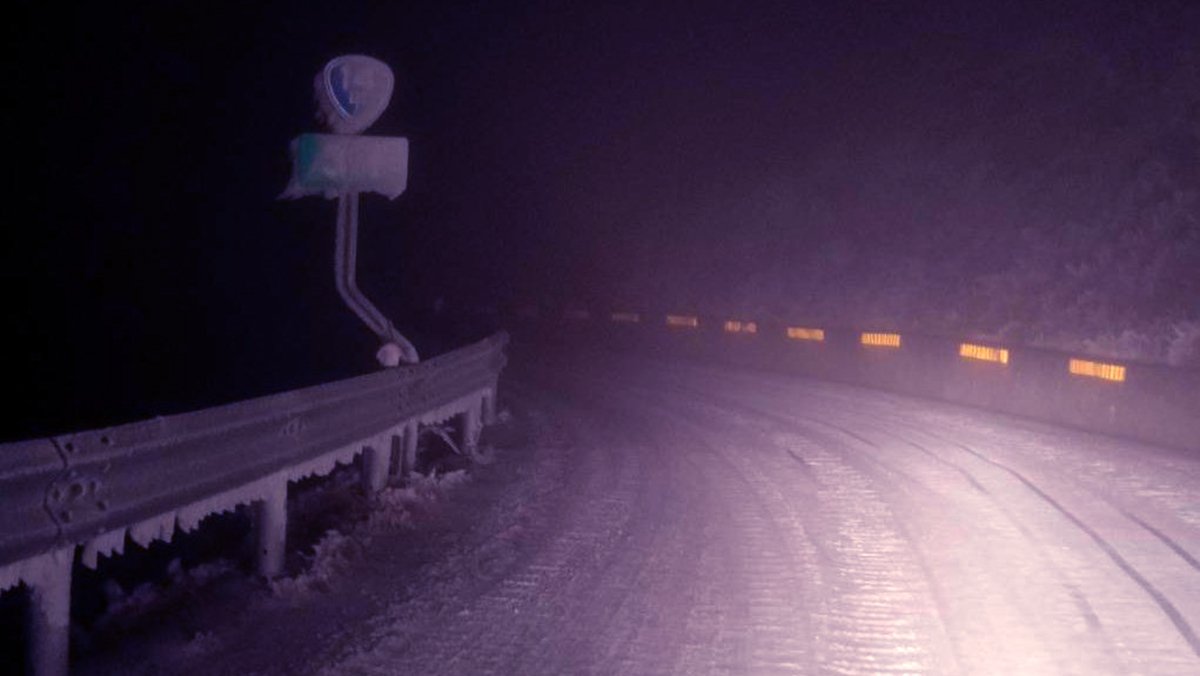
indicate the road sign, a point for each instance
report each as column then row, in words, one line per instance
column 352, row 92
column 329, row 164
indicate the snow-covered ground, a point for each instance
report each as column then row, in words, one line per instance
column 687, row 519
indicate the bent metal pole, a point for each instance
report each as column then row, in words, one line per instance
column 345, row 266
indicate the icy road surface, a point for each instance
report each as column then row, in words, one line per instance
column 690, row 519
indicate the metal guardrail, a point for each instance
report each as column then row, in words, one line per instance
column 147, row 479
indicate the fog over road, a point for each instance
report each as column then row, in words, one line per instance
column 695, row 519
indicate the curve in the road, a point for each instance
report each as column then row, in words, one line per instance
column 693, row 519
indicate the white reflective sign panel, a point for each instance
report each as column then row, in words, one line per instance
column 352, row 92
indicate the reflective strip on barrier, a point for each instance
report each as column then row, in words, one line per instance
column 626, row 317
column 983, row 353
column 801, row 333
column 1093, row 369
column 881, row 339
column 735, row 326
column 683, row 321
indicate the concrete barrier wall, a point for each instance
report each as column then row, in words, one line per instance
column 1153, row 403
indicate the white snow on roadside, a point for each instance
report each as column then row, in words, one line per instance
column 391, row 512
column 149, row 595
column 338, row 549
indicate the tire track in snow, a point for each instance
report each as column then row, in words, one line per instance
column 1047, row 658
column 874, row 614
column 759, row 616
column 1164, row 653
column 1181, row 624
column 772, row 565
column 592, row 575
column 1164, row 603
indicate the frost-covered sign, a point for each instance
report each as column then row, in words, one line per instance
column 330, row 164
column 352, row 92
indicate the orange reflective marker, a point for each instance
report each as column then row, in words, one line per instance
column 983, row 353
column 881, row 339
column 1095, row 369
column 801, row 333
column 683, row 321
column 734, row 326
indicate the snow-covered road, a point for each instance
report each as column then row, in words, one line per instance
column 691, row 519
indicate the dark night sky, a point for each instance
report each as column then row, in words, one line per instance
column 559, row 151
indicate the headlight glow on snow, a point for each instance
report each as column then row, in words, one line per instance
column 801, row 333
column 881, row 339
column 983, row 353
column 683, row 321
column 626, row 317
column 735, row 326
column 1094, row 369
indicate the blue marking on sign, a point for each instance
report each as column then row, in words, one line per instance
column 341, row 93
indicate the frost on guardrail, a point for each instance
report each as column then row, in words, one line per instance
column 146, row 480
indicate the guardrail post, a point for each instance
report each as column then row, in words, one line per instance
column 50, row 616
column 489, row 408
column 409, row 454
column 375, row 463
column 471, row 426
column 271, row 527
column 396, row 454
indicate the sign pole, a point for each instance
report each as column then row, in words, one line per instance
column 352, row 92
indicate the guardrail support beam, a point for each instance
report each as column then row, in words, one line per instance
column 471, row 427
column 375, row 462
column 396, row 454
column 271, row 531
column 50, row 617
column 409, row 453
column 489, row 408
